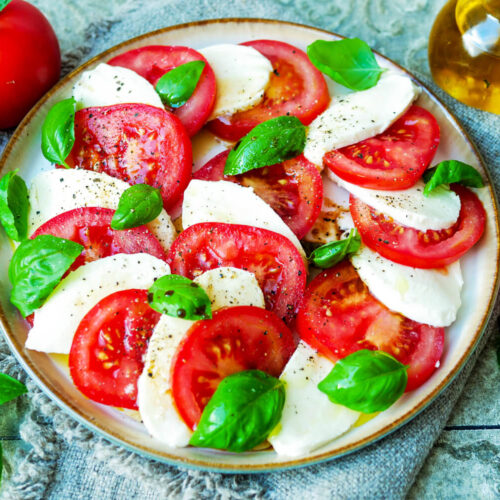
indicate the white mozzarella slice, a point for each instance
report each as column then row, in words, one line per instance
column 409, row 207
column 430, row 296
column 360, row 115
column 309, row 420
column 225, row 286
column 223, row 201
column 242, row 74
column 56, row 322
column 59, row 190
column 106, row 85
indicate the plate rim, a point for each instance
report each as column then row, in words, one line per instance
column 198, row 464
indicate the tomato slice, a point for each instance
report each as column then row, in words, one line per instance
column 276, row 263
column 339, row 316
column 235, row 339
column 106, row 357
column 294, row 188
column 393, row 160
column 90, row 226
column 422, row 249
column 296, row 88
column 136, row 143
column 153, row 61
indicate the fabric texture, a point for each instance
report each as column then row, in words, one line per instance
column 61, row 458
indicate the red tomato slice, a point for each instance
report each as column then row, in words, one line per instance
column 153, row 61
column 90, row 227
column 339, row 316
column 276, row 263
column 235, row 339
column 294, row 188
column 422, row 249
column 296, row 88
column 393, row 160
column 106, row 357
column 136, row 143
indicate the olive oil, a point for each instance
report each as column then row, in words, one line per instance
column 464, row 52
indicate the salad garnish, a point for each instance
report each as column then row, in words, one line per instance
column 451, row 171
column 332, row 253
column 14, row 206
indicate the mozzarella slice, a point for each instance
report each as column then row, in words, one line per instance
column 56, row 322
column 223, row 201
column 360, row 115
column 225, row 286
column 309, row 418
column 59, row 190
column 242, row 74
column 409, row 207
column 106, row 85
column 430, row 296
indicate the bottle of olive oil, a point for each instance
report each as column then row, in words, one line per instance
column 464, row 52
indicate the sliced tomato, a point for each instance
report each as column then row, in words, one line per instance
column 422, row 249
column 136, row 143
column 106, row 357
column 296, row 88
column 276, row 263
column 235, row 339
column 90, row 227
column 153, row 61
column 294, row 188
column 339, row 316
column 393, row 160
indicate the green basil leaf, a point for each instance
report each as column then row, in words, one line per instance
column 14, row 206
column 450, row 171
column 268, row 143
column 243, row 411
column 138, row 205
column 3, row 4
column 349, row 62
column 10, row 388
column 58, row 131
column 178, row 85
column 332, row 253
column 1, row 462
column 365, row 381
column 179, row 297
column 36, row 268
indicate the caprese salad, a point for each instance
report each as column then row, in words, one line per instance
column 218, row 327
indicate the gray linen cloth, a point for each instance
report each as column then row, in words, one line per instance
column 61, row 459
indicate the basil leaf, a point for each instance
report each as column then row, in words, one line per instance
column 14, row 205
column 332, row 253
column 179, row 297
column 138, row 205
column 36, row 268
column 450, row 171
column 365, row 381
column 3, row 4
column 349, row 62
column 58, row 131
column 10, row 388
column 268, row 143
column 243, row 411
column 178, row 85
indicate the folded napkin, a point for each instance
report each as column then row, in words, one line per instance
column 62, row 459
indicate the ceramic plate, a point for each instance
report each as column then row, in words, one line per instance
column 479, row 268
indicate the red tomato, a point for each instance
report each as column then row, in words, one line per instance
column 91, row 228
column 153, row 61
column 30, row 60
column 294, row 188
column 276, row 263
column 136, row 143
column 235, row 339
column 106, row 357
column 422, row 249
column 296, row 88
column 339, row 316
column 393, row 160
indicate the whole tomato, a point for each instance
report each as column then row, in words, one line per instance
column 30, row 59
